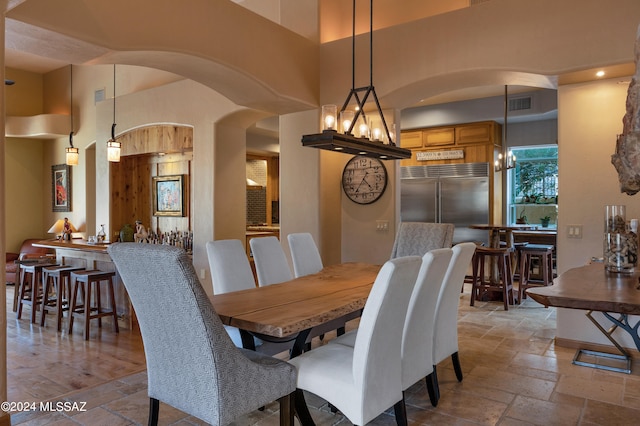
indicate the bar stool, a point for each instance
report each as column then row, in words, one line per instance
column 58, row 279
column 544, row 254
column 503, row 283
column 89, row 282
column 30, row 278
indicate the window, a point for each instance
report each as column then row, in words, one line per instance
column 533, row 186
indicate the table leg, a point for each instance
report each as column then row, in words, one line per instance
column 623, row 322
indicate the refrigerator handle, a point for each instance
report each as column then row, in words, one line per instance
column 438, row 202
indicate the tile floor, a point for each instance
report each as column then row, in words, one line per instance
column 513, row 375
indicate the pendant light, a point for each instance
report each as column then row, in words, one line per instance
column 72, row 153
column 113, row 146
column 346, row 142
column 506, row 160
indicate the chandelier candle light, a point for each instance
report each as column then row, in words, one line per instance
column 345, row 141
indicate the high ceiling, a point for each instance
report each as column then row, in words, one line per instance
column 36, row 49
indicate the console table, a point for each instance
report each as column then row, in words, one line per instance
column 592, row 288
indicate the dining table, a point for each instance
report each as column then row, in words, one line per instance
column 594, row 289
column 289, row 310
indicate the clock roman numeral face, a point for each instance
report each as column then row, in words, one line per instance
column 364, row 179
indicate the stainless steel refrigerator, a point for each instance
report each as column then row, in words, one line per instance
column 447, row 193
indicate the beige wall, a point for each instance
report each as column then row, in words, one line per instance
column 589, row 118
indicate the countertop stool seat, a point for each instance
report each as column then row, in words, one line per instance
column 29, row 279
column 544, row 254
column 58, row 279
column 486, row 285
column 91, row 308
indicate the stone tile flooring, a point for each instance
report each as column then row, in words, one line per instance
column 513, row 375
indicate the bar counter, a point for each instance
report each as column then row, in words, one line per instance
column 79, row 252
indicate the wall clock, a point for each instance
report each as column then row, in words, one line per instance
column 364, row 179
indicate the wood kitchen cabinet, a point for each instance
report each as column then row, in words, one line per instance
column 478, row 142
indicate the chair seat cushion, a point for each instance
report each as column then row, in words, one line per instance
column 327, row 372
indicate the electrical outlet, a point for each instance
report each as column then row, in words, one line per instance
column 382, row 225
column 574, row 231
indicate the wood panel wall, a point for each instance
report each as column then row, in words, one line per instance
column 145, row 153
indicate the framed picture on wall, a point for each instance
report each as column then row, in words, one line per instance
column 169, row 195
column 61, row 188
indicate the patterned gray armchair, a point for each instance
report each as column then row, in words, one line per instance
column 192, row 364
column 417, row 238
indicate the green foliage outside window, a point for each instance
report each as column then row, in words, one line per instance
column 536, row 175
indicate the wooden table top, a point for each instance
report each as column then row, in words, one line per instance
column 75, row 244
column 590, row 287
column 501, row 227
column 285, row 309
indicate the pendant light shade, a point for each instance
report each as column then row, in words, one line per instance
column 71, row 153
column 113, row 146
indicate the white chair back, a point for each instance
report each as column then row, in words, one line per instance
column 445, row 339
column 377, row 369
column 270, row 261
column 230, row 269
column 304, row 254
column 417, row 335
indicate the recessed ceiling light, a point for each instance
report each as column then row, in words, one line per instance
column 600, row 73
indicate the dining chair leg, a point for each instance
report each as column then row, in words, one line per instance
column 455, row 359
column 436, row 386
column 431, row 388
column 400, row 410
column 304, row 416
column 286, row 409
column 154, row 407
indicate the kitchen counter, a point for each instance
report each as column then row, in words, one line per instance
column 79, row 252
column 264, row 228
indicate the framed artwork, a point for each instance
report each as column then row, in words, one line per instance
column 169, row 195
column 61, row 188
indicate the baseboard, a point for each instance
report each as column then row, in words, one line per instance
column 577, row 344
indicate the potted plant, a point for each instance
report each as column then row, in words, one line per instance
column 522, row 219
column 544, row 221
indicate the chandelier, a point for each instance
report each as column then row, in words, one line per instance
column 374, row 138
column 506, row 160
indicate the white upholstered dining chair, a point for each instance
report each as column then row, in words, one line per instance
column 270, row 261
column 417, row 238
column 192, row 364
column 364, row 380
column 304, row 254
column 417, row 334
column 445, row 333
column 230, row 271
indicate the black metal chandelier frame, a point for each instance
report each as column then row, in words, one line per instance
column 346, row 142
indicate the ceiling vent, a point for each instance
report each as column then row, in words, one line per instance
column 520, row 104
